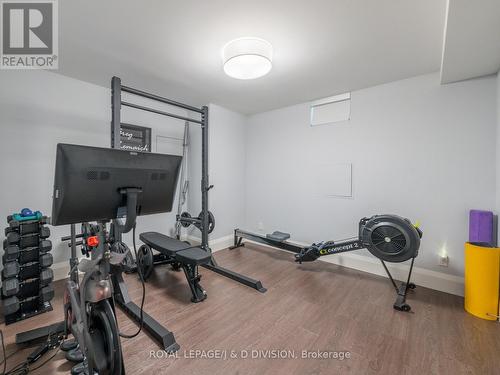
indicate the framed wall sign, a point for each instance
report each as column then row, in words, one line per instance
column 135, row 138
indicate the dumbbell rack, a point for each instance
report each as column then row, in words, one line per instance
column 26, row 276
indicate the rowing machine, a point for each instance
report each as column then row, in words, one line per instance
column 390, row 238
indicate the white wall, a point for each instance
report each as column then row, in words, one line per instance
column 39, row 109
column 418, row 149
column 226, row 170
column 227, row 174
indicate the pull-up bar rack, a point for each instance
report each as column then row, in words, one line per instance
column 136, row 106
column 116, row 103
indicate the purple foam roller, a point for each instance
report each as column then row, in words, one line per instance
column 481, row 226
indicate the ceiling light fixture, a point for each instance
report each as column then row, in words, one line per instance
column 247, row 58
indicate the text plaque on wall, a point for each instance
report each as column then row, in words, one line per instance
column 135, row 138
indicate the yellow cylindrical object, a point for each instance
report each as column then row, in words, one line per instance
column 482, row 280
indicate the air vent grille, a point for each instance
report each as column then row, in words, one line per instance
column 96, row 175
column 92, row 175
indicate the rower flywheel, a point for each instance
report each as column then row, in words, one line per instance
column 390, row 237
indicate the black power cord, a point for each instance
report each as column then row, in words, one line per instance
column 141, row 277
column 47, row 360
column 7, row 356
column 4, row 354
column 20, row 368
column 23, row 367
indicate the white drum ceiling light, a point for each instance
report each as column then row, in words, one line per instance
column 247, row 58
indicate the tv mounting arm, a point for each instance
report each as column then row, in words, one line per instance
column 129, row 211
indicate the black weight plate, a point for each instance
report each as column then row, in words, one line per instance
column 145, row 263
column 211, row 221
column 185, row 215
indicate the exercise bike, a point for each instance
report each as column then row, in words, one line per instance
column 390, row 238
column 103, row 185
column 89, row 309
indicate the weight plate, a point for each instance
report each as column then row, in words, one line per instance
column 145, row 263
column 185, row 215
column 211, row 221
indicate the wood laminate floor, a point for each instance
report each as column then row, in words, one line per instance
column 313, row 307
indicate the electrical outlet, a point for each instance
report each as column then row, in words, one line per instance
column 444, row 261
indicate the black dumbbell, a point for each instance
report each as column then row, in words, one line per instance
column 10, row 287
column 13, row 237
column 12, row 252
column 28, row 270
column 23, row 289
column 29, row 240
column 45, row 246
column 46, row 260
column 44, row 232
column 12, row 304
column 14, row 224
column 12, row 269
column 46, row 276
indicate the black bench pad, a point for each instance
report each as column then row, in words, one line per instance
column 194, row 255
column 174, row 248
column 162, row 243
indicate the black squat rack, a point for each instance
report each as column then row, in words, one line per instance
column 202, row 119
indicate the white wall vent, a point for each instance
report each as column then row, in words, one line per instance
column 330, row 110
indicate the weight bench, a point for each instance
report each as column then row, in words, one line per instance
column 179, row 254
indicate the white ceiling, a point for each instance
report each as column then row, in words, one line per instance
column 321, row 47
column 472, row 40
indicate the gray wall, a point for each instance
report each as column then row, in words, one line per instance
column 418, row 149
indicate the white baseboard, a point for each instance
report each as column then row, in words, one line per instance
column 61, row 270
column 430, row 279
column 421, row 276
column 216, row 244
